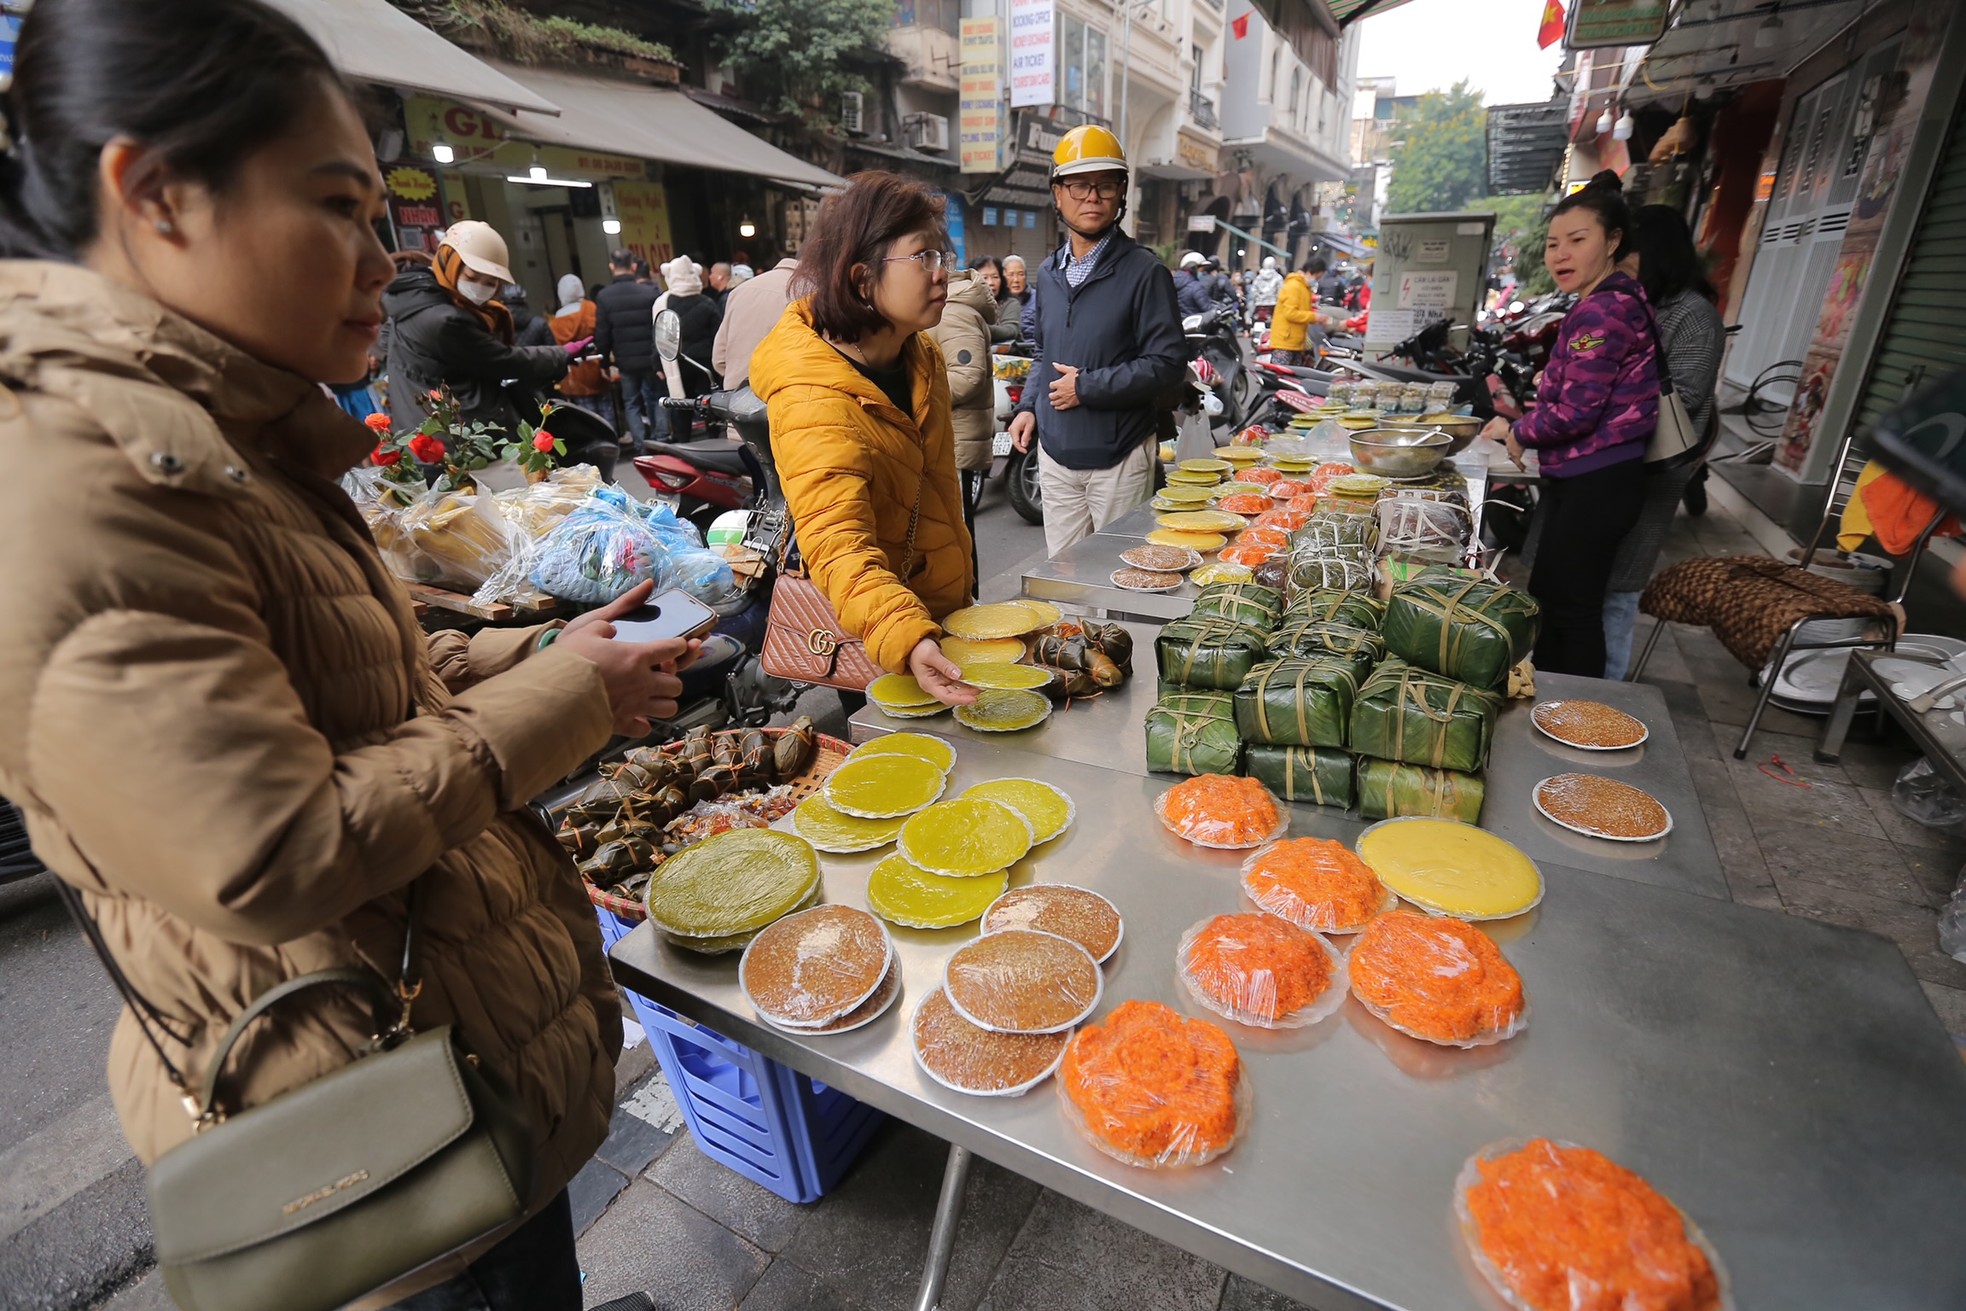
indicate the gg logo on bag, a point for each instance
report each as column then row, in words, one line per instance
column 822, row 643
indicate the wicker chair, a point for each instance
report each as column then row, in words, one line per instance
column 1758, row 606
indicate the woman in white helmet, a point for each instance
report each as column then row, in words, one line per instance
column 447, row 328
column 1263, row 289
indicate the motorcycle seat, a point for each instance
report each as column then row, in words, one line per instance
column 717, row 457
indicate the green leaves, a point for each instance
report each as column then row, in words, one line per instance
column 1440, row 166
column 795, row 56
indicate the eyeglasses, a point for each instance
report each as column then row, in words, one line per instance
column 932, row 261
column 1108, row 190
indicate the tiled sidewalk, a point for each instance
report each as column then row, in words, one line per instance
column 702, row 1239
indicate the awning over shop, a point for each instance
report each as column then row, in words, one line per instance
column 373, row 41
column 1347, row 12
column 1525, row 145
column 1344, row 243
column 628, row 119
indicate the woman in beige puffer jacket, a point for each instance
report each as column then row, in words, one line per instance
column 964, row 336
column 217, row 711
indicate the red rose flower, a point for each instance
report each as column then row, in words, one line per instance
column 378, row 422
column 542, row 441
column 427, row 450
column 382, row 457
column 436, row 395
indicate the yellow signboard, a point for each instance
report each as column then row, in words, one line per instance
column 482, row 140
column 643, row 208
column 979, row 120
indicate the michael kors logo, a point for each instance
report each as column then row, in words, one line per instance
column 323, row 1194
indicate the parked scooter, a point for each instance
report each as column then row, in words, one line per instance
column 1020, row 468
column 1212, row 338
column 705, row 476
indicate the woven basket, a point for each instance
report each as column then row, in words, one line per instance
column 824, row 761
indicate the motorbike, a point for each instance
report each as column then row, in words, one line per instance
column 1020, row 468
column 1212, row 338
column 711, row 470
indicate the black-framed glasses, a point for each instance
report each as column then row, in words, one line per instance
column 932, row 261
column 1079, row 189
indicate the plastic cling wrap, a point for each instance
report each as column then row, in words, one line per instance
column 1422, row 528
column 1076, row 913
column 1438, row 979
column 1152, row 1088
column 913, row 898
column 1557, row 1227
column 1407, row 714
column 809, row 969
column 1261, row 971
column 732, row 884
column 962, row 1057
column 966, row 838
column 1209, row 654
column 1023, row 981
column 1226, row 813
column 1470, row 630
column 1321, row 776
column 1358, row 609
column 1389, row 790
column 1297, row 703
column 1193, row 733
column 1249, row 604
column 1317, row 884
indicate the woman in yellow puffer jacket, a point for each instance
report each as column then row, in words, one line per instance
column 860, row 423
column 1291, row 321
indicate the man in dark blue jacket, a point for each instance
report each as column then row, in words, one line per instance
column 1109, row 347
column 1190, row 291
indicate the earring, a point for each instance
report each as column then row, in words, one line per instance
column 164, row 227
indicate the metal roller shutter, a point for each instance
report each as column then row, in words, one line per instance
column 1924, row 334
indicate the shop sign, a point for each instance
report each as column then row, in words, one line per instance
column 1201, row 223
column 1196, row 154
column 1596, row 24
column 414, row 211
column 482, row 141
column 1027, row 182
column 457, row 205
column 952, row 214
column 644, row 211
column 9, row 34
column 1033, row 43
column 979, row 111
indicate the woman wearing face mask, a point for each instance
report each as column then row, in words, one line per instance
column 217, row 710
column 447, row 327
column 1595, row 410
column 860, row 420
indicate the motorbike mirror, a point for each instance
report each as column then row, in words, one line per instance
column 1192, row 323
column 1515, row 307
column 669, row 336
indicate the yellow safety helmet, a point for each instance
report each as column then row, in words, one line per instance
column 1087, row 149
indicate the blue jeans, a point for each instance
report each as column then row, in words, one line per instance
column 1620, row 618
column 641, row 395
column 533, row 1269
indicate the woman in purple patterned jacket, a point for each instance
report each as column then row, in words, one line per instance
column 1595, row 411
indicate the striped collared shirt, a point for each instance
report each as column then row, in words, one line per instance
column 1078, row 270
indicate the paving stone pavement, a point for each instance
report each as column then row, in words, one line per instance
column 658, row 1215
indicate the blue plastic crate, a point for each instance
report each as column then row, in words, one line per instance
column 771, row 1124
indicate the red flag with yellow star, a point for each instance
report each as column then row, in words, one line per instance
column 1551, row 31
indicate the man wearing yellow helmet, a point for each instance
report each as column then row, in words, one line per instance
column 1109, row 344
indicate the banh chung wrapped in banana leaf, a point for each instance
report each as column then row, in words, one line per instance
column 1408, row 714
column 1390, row 790
column 1250, row 603
column 1472, row 630
column 1359, row 647
column 1297, row 703
column 1211, row 654
column 1193, row 733
column 1359, row 609
column 1326, row 568
column 1328, row 528
column 1320, row 776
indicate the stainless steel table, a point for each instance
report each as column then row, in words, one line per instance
column 1784, row 1082
column 1108, row 731
column 1080, row 577
column 1938, row 737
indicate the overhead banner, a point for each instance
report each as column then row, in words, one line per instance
column 644, row 211
column 980, row 110
column 1033, row 63
column 482, row 142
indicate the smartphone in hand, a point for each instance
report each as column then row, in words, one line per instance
column 669, row 615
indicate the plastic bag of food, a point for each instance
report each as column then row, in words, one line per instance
column 1359, row 609
column 1260, row 971
column 1250, row 604
column 1922, row 795
column 1543, row 1218
column 536, row 507
column 448, row 538
column 600, row 551
column 1471, row 630
column 1390, row 790
column 1315, row 883
column 1193, row 733
column 1359, row 647
column 1150, row 1087
column 1407, row 714
column 1421, row 529
column 1299, row 702
column 1208, row 653
column 1321, row 776
column 1437, row 979
column 1228, row 814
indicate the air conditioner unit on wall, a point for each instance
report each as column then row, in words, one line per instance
column 928, row 131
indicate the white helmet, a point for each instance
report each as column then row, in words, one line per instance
column 1192, row 259
column 1270, row 262
column 481, row 248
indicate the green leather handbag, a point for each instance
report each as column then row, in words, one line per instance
column 338, row 1188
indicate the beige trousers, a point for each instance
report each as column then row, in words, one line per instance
column 1079, row 502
